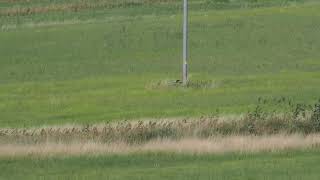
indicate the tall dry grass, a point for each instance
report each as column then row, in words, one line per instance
column 253, row 132
column 215, row 145
column 136, row 132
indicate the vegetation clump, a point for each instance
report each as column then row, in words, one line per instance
column 301, row 119
column 172, row 84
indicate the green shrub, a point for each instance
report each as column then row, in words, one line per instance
column 315, row 117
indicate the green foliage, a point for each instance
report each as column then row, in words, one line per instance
column 315, row 117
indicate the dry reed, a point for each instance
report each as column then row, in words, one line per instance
column 136, row 132
column 217, row 145
column 204, row 135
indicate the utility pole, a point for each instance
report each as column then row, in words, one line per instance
column 185, row 43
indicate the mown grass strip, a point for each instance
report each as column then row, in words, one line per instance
column 285, row 165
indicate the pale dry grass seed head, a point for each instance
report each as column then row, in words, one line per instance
column 217, row 145
column 143, row 131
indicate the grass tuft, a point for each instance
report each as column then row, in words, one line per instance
column 172, row 84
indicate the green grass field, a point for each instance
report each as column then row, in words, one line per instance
column 285, row 166
column 97, row 65
column 87, row 62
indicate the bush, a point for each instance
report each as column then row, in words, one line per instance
column 315, row 117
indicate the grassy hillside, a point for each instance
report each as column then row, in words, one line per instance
column 107, row 63
column 290, row 165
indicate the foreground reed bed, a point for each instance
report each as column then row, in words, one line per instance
column 136, row 132
column 254, row 131
column 217, row 145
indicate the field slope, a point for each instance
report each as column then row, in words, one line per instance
column 68, row 67
column 104, row 63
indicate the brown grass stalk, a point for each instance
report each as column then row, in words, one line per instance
column 136, row 132
column 217, row 145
